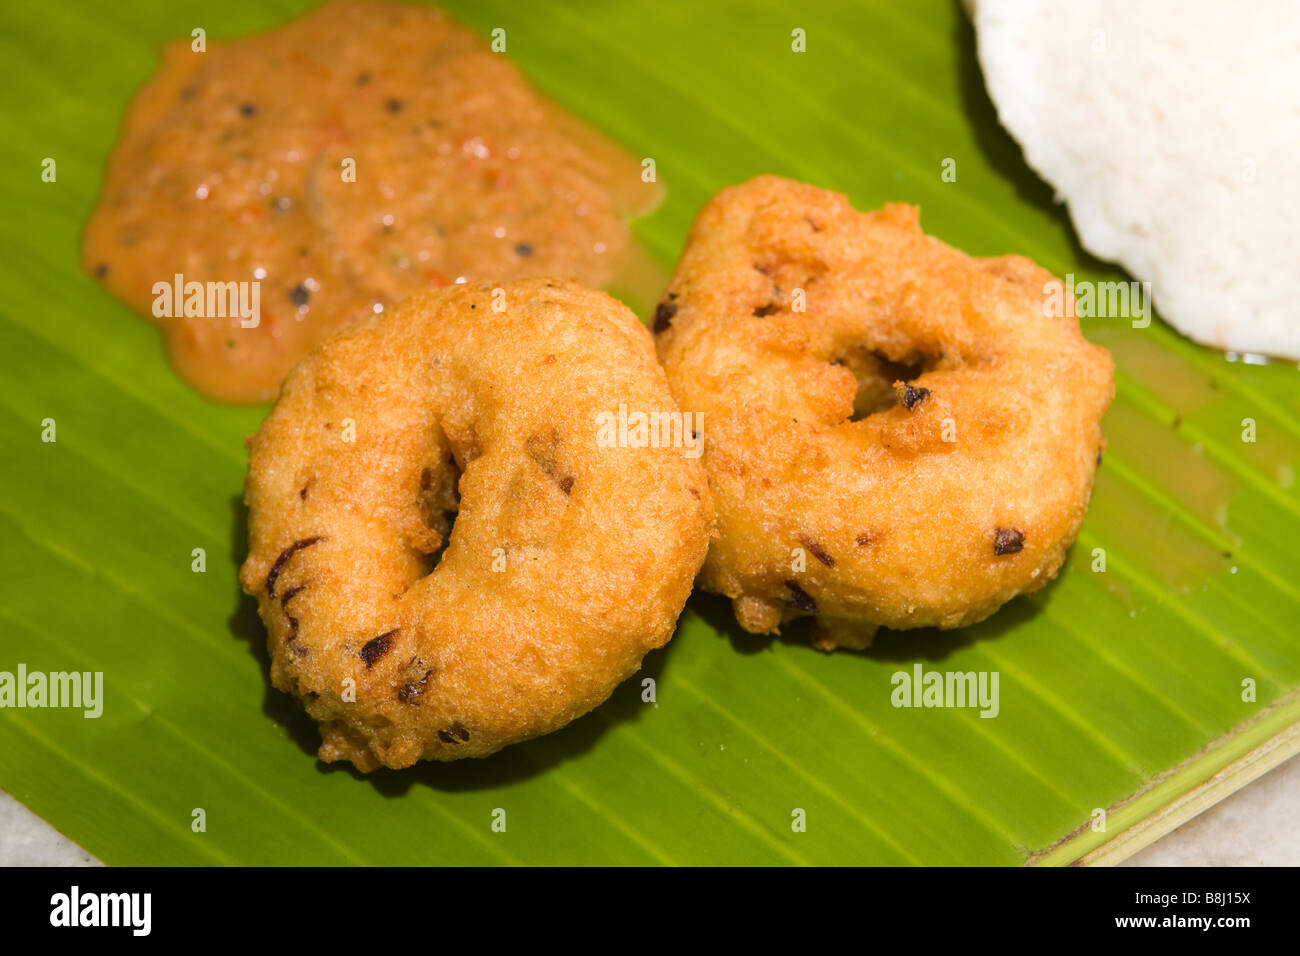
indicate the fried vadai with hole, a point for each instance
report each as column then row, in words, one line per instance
column 408, row 637
column 897, row 434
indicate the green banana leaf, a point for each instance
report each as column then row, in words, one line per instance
column 1119, row 689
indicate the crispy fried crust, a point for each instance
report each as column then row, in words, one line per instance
column 568, row 561
column 914, row 448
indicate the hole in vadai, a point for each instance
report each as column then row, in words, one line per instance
column 438, row 504
column 876, row 375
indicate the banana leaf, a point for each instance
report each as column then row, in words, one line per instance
column 1125, row 693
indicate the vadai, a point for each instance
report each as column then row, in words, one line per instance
column 898, row 434
column 357, row 155
column 446, row 556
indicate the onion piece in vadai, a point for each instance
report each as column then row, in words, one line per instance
column 898, row 434
column 569, row 559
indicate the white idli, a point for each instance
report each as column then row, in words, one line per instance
column 1171, row 130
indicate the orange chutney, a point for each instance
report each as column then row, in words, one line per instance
column 333, row 167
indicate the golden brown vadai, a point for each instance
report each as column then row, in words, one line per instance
column 569, row 557
column 897, row 434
